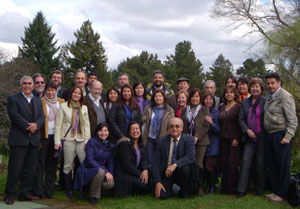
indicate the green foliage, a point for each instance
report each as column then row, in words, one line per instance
column 220, row 70
column 38, row 45
column 88, row 54
column 184, row 63
column 253, row 68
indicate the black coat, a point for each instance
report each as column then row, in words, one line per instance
column 117, row 121
column 125, row 169
column 19, row 113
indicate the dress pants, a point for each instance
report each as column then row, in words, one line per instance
column 98, row 182
column 46, row 168
column 150, row 150
column 200, row 153
column 70, row 149
column 21, row 167
column 278, row 158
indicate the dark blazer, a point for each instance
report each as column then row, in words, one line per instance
column 185, row 154
column 172, row 102
column 92, row 113
column 214, row 134
column 117, row 121
column 125, row 168
column 201, row 125
column 19, row 113
column 243, row 116
column 61, row 92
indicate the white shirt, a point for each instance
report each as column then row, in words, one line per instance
column 96, row 101
column 51, row 124
column 28, row 98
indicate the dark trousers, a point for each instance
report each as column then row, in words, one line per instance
column 278, row 158
column 181, row 177
column 250, row 153
column 46, row 167
column 21, row 167
column 150, row 150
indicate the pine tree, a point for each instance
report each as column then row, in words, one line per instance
column 88, row 54
column 220, row 70
column 184, row 64
column 39, row 45
column 253, row 68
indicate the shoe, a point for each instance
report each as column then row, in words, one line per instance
column 9, row 201
column 269, row 196
column 200, row 192
column 240, row 194
column 208, row 191
column 70, row 194
column 213, row 190
column 28, row 198
column 48, row 196
column 92, row 200
column 276, row 198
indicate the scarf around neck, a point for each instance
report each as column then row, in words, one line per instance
column 253, row 120
column 159, row 113
column 51, row 103
column 191, row 117
column 77, row 119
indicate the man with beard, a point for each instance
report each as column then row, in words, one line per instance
column 56, row 77
column 39, row 85
column 158, row 82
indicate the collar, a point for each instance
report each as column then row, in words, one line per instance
column 276, row 92
column 178, row 138
column 30, row 97
column 93, row 98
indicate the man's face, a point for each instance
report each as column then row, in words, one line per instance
column 175, row 127
column 56, row 79
column 183, row 86
column 80, row 79
column 39, row 84
column 27, row 86
column 90, row 79
column 210, row 88
column 122, row 80
column 273, row 85
column 96, row 89
column 158, row 80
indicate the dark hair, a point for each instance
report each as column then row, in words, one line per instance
column 273, row 75
column 70, row 95
column 50, row 85
column 99, row 127
column 234, row 80
column 132, row 101
column 193, row 91
column 256, row 81
column 158, row 72
column 162, row 93
column 92, row 73
column 144, row 86
column 140, row 140
column 57, row 72
column 112, row 88
column 243, row 80
column 207, row 95
column 38, row 75
column 127, row 75
column 235, row 91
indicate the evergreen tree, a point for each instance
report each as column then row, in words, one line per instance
column 88, row 54
column 184, row 64
column 39, row 45
column 220, row 70
column 253, row 68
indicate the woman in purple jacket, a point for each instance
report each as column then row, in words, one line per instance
column 97, row 167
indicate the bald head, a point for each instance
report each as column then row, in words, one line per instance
column 175, row 127
column 96, row 88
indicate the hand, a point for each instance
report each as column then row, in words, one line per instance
column 196, row 139
column 57, row 146
column 235, row 143
column 170, row 170
column 144, row 176
column 158, row 188
column 251, row 134
column 32, row 127
column 209, row 119
column 285, row 141
column 109, row 177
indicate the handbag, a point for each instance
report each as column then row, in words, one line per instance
column 58, row 154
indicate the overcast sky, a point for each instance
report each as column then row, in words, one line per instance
column 129, row 27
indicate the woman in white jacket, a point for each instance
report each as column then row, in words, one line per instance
column 72, row 126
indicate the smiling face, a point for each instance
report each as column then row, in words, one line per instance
column 103, row 133
column 195, row 100
column 181, row 100
column 209, row 101
column 39, row 84
column 273, row 85
column 175, row 127
column 229, row 95
column 135, row 131
column 76, row 95
column 158, row 79
column 183, row 86
column 91, row 78
column 96, row 89
column 26, row 86
column 126, row 93
column 139, row 90
column 255, row 90
column 242, row 88
column 159, row 99
column 56, row 78
column 113, row 96
column 51, row 93
column 230, row 82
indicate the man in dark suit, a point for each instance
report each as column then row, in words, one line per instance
column 174, row 154
column 26, row 114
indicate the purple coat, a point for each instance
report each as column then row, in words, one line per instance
column 214, row 134
column 98, row 155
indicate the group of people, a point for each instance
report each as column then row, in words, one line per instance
column 139, row 139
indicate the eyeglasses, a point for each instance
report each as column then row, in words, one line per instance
column 39, row 82
column 175, row 126
column 26, row 83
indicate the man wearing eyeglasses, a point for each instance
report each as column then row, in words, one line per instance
column 173, row 156
column 26, row 115
column 39, row 85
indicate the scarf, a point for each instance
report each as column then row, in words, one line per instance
column 140, row 101
column 77, row 119
column 253, row 120
column 159, row 113
column 242, row 97
column 52, row 107
column 128, row 115
column 191, row 117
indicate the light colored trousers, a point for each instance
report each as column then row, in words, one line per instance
column 98, row 182
column 71, row 149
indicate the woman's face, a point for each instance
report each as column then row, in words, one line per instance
column 229, row 95
column 255, row 90
column 76, row 95
column 126, row 93
column 209, row 101
column 195, row 100
column 113, row 96
column 135, row 131
column 242, row 88
column 159, row 99
column 230, row 82
column 51, row 93
column 181, row 100
column 139, row 90
column 103, row 133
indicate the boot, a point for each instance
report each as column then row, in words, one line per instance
column 212, row 181
column 68, row 184
column 200, row 190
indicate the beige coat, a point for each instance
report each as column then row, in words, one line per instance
column 64, row 121
column 169, row 113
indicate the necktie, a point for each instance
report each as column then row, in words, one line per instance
column 174, row 151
